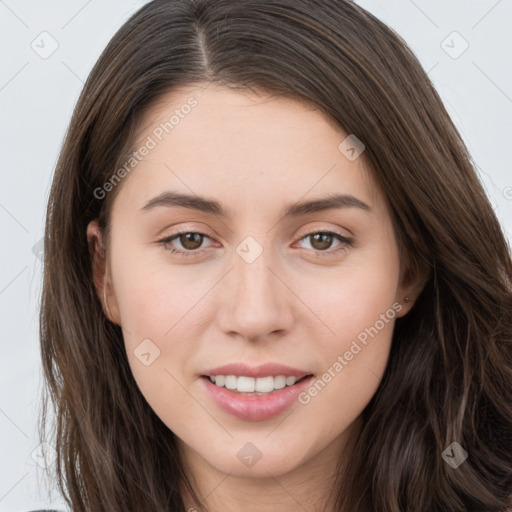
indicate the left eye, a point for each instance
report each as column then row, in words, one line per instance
column 324, row 240
column 191, row 242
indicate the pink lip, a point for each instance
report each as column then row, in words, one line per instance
column 264, row 370
column 255, row 407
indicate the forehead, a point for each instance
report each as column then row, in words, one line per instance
column 199, row 105
column 213, row 140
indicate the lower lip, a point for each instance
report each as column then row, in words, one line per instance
column 255, row 407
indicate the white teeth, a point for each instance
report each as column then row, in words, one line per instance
column 279, row 382
column 230, row 381
column 290, row 381
column 243, row 384
column 264, row 384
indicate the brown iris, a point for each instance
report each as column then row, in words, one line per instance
column 324, row 240
column 191, row 241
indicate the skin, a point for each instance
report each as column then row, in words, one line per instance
column 255, row 154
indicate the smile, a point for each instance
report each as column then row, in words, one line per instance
column 254, row 393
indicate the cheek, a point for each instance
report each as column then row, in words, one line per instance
column 354, row 297
column 156, row 304
column 153, row 294
column 156, row 308
column 359, row 307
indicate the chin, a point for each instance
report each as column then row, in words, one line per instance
column 258, row 459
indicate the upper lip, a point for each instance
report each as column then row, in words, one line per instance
column 263, row 370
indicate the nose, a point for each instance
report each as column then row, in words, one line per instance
column 256, row 300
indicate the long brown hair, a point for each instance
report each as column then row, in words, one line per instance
column 449, row 374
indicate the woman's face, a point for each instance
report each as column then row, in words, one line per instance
column 263, row 287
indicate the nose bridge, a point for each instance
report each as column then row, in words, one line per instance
column 256, row 300
column 253, row 276
column 255, row 284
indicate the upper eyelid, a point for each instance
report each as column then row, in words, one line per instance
column 316, row 229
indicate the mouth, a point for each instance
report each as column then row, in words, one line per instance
column 255, row 393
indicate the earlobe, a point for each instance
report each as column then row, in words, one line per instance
column 406, row 304
column 100, row 272
column 413, row 282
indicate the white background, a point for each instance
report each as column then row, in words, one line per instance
column 36, row 100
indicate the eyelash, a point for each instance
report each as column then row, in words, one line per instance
column 345, row 242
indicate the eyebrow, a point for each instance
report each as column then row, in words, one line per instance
column 193, row 202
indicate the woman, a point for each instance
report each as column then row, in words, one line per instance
column 272, row 278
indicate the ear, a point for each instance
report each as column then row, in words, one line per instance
column 101, row 272
column 413, row 278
